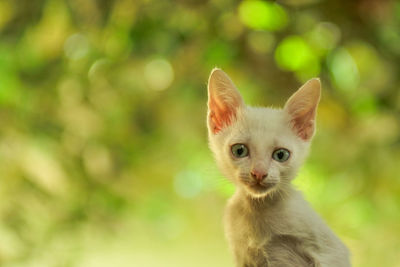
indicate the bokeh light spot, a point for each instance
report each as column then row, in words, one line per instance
column 188, row 184
column 76, row 46
column 325, row 36
column 343, row 69
column 44, row 170
column 293, row 54
column 159, row 74
column 262, row 15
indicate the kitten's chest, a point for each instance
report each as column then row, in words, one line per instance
column 247, row 229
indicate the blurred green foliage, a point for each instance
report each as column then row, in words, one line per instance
column 103, row 146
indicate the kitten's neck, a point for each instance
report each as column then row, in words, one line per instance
column 270, row 200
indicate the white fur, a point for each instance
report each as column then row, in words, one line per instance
column 273, row 227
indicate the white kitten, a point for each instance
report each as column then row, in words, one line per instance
column 267, row 222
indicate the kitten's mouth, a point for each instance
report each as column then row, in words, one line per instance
column 261, row 188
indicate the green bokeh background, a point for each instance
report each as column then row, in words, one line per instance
column 103, row 143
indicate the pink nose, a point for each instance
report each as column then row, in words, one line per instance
column 258, row 175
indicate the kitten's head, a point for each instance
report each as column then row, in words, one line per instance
column 260, row 149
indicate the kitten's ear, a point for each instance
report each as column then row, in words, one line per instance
column 302, row 108
column 224, row 100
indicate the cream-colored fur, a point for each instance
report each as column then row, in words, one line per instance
column 275, row 226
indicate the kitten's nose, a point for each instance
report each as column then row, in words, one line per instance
column 258, row 175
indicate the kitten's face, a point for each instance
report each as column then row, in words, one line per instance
column 259, row 149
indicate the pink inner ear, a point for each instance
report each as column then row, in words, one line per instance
column 220, row 115
column 223, row 101
column 304, row 124
column 302, row 107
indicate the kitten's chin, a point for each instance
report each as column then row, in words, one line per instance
column 258, row 190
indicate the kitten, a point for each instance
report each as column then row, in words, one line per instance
column 267, row 222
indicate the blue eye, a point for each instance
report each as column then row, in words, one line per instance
column 240, row 151
column 281, row 155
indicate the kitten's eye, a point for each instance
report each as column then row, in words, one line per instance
column 239, row 151
column 281, row 155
